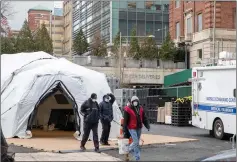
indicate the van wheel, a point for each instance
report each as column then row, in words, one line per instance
column 218, row 129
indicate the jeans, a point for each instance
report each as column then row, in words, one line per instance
column 134, row 147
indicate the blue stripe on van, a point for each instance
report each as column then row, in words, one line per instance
column 218, row 109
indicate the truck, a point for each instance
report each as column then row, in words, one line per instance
column 214, row 99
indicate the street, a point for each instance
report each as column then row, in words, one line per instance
column 187, row 151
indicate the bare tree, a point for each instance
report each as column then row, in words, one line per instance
column 6, row 8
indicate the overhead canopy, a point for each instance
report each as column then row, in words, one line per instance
column 27, row 77
column 179, row 78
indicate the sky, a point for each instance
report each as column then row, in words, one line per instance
column 20, row 9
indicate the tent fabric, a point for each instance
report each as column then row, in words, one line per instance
column 26, row 77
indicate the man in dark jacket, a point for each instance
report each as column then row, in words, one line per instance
column 134, row 118
column 91, row 112
column 106, row 117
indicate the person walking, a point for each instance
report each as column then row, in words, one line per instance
column 134, row 118
column 106, row 117
column 91, row 111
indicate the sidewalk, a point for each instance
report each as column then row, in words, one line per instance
column 47, row 156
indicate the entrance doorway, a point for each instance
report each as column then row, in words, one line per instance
column 56, row 110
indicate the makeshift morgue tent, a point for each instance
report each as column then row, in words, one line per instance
column 34, row 84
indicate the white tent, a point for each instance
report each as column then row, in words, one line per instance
column 27, row 78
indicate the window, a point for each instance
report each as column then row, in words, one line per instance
column 189, row 25
column 149, row 4
column 157, row 7
column 177, row 30
column 76, row 27
column 199, row 51
column 234, row 16
column 177, row 3
column 132, row 5
column 199, row 22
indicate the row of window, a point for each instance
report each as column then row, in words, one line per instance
column 148, row 5
column 177, row 3
column 189, row 26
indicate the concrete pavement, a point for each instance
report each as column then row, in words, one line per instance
column 82, row 156
column 186, row 151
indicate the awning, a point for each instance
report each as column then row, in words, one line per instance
column 179, row 78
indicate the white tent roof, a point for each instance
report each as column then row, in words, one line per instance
column 26, row 76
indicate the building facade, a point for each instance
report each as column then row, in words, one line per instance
column 205, row 35
column 36, row 14
column 67, row 16
column 111, row 17
column 14, row 33
column 55, row 30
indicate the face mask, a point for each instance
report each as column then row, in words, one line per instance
column 135, row 103
column 106, row 100
column 93, row 100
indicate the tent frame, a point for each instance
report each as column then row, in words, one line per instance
column 58, row 85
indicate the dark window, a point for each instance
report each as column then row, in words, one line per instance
column 131, row 15
column 123, row 15
column 149, row 17
column 158, row 7
column 166, row 7
column 200, row 53
column 158, row 17
column 158, row 63
column 140, row 15
column 61, row 99
column 141, row 27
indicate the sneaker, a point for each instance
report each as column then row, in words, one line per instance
column 107, row 144
column 102, row 143
column 97, row 150
column 83, row 148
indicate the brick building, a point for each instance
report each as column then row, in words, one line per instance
column 192, row 22
column 36, row 14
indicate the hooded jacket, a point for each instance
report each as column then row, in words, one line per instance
column 106, row 108
column 134, row 117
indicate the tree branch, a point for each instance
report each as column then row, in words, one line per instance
column 7, row 9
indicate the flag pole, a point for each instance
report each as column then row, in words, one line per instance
column 1, row 27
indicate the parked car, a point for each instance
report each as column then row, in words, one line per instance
column 227, row 155
column 5, row 155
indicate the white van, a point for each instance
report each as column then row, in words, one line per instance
column 214, row 100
